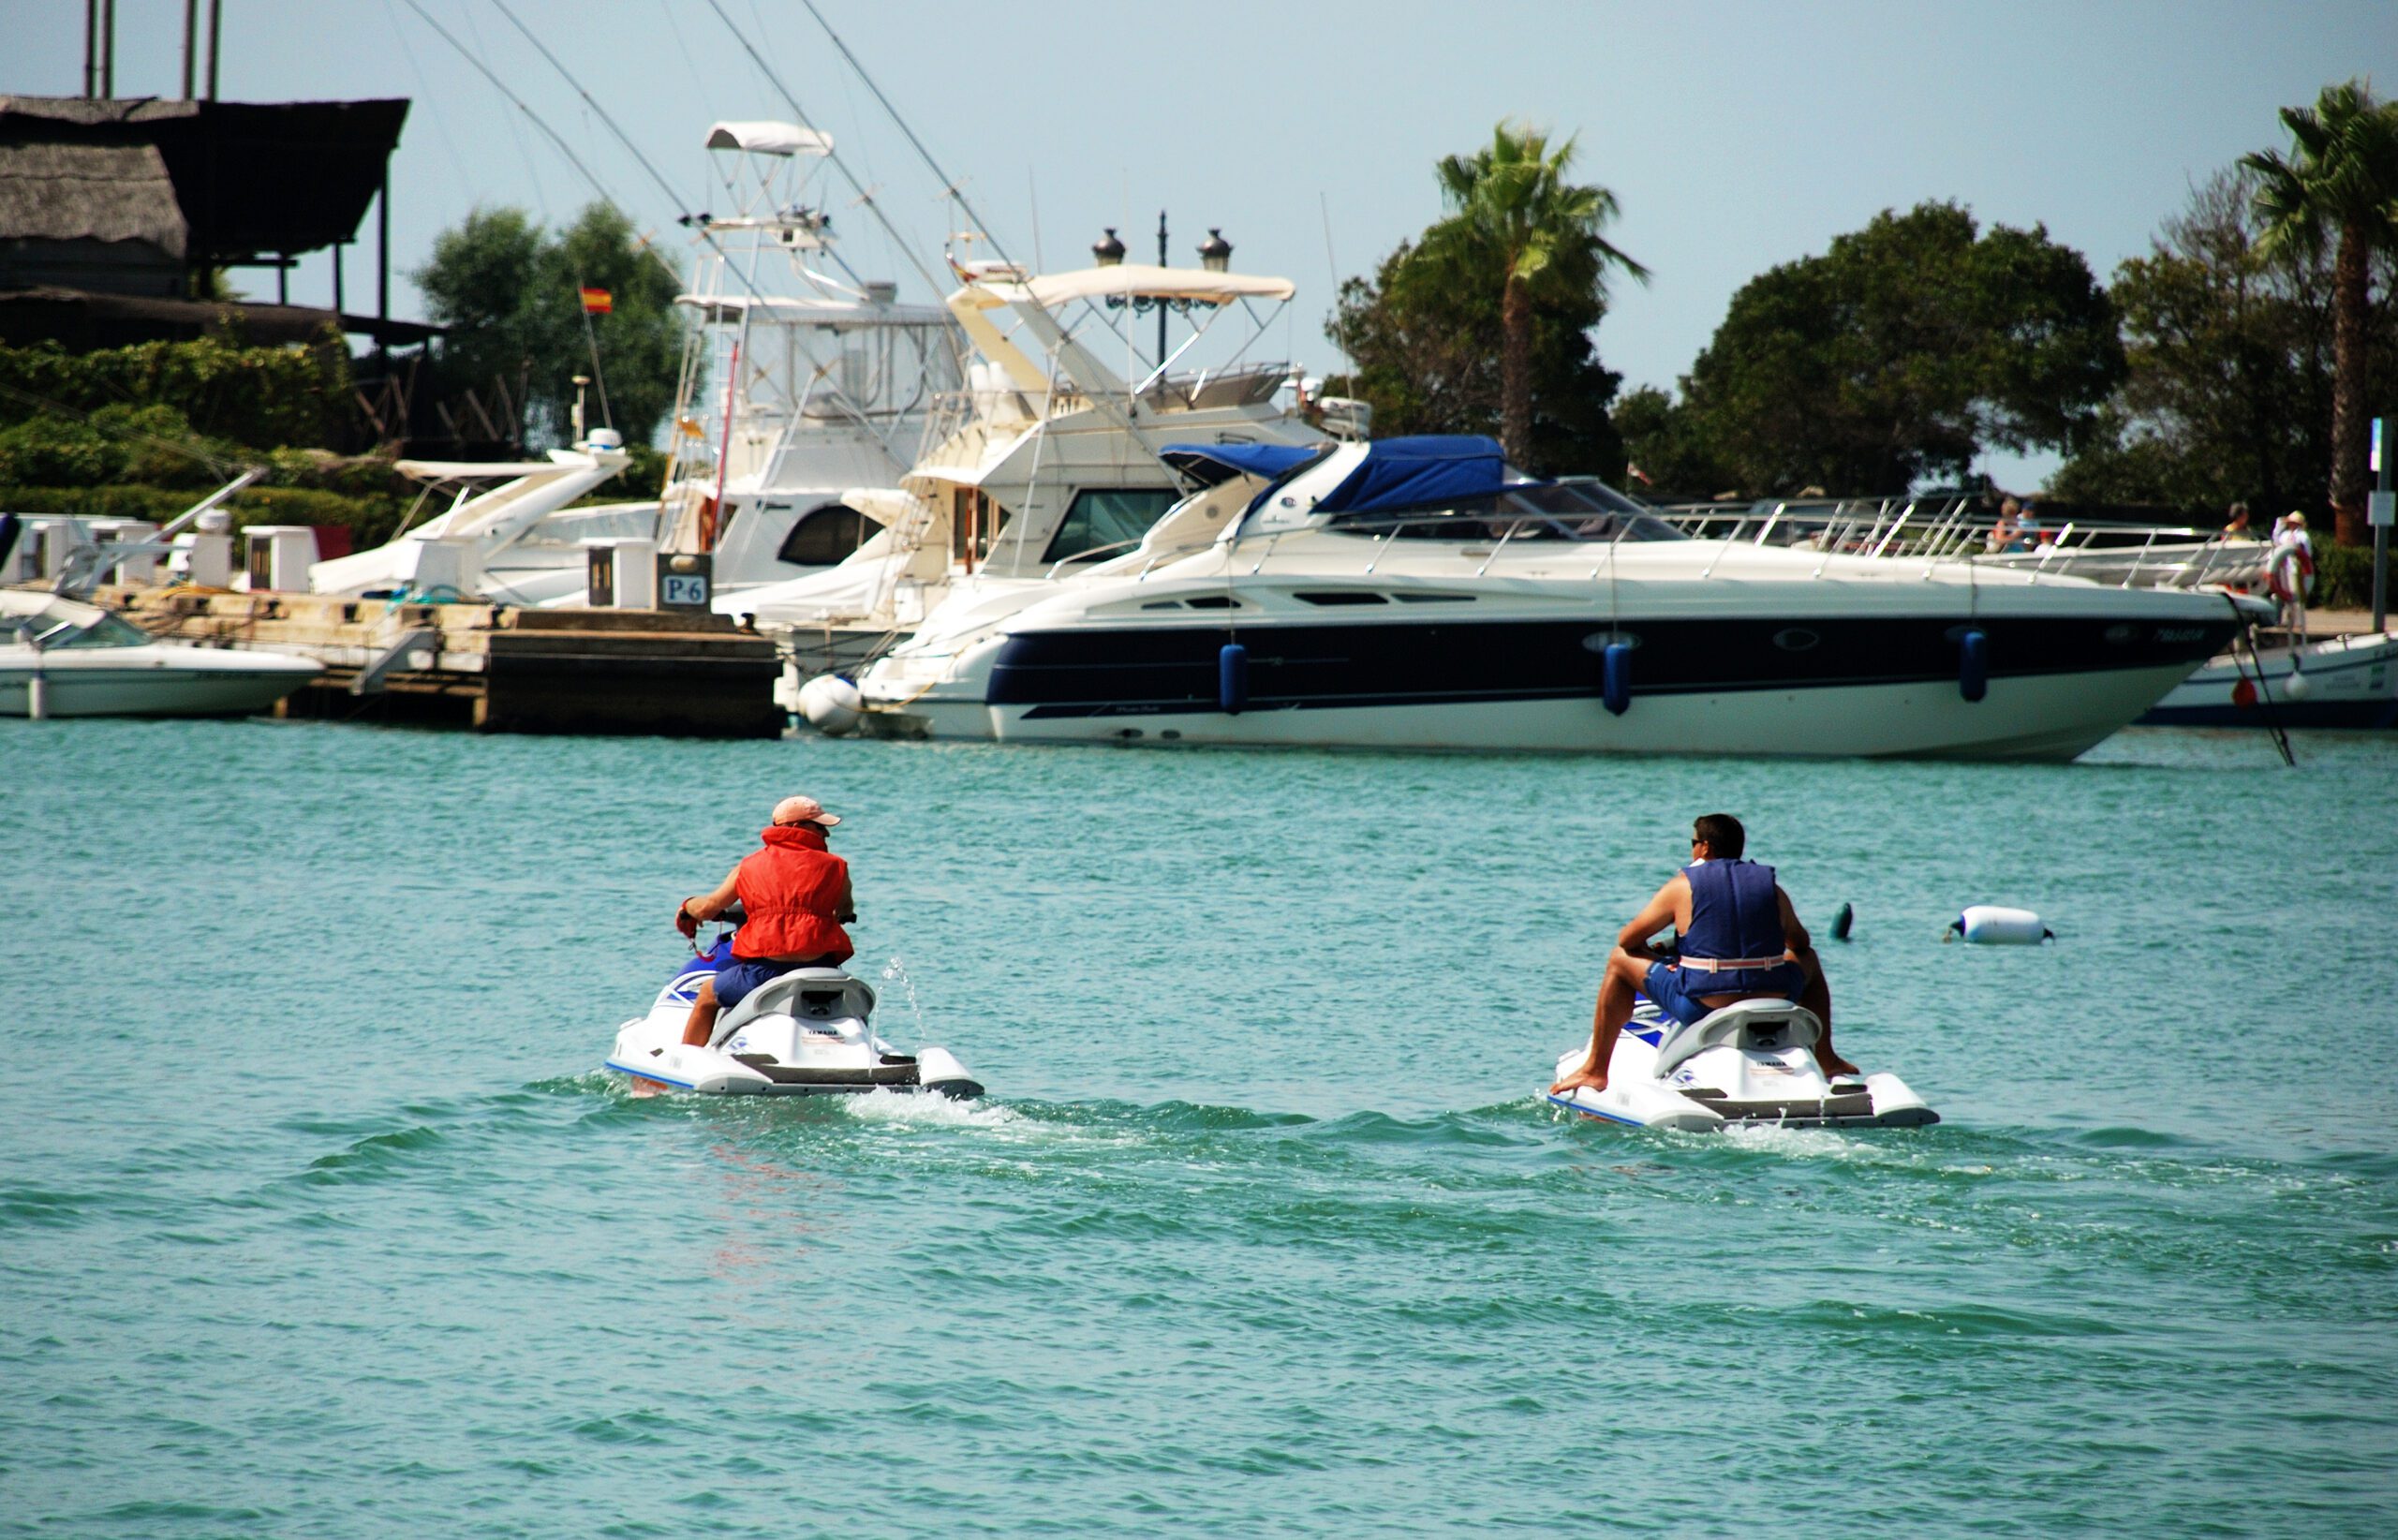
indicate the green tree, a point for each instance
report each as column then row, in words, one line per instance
column 1666, row 453
column 2229, row 391
column 1427, row 356
column 1518, row 225
column 509, row 291
column 2341, row 178
column 1900, row 355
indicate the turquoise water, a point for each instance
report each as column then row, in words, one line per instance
column 317, row 1217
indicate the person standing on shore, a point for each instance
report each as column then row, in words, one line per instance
column 795, row 894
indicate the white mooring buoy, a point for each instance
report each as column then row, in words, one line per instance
column 1991, row 925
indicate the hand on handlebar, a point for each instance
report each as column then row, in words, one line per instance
column 685, row 920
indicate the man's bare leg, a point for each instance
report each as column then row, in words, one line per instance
column 1617, row 992
column 701, row 1025
column 1818, row 998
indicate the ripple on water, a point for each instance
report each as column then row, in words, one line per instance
column 1252, row 1238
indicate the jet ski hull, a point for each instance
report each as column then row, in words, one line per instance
column 1733, row 1080
column 804, row 1033
column 712, row 1072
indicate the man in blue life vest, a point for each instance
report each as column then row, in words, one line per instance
column 794, row 894
column 1740, row 941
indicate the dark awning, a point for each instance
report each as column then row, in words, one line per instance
column 77, row 319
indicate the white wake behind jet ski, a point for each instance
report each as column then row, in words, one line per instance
column 806, row 1033
column 1749, row 1062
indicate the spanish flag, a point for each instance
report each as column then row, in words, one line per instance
column 596, row 302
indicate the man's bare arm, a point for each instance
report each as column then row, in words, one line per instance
column 1794, row 935
column 1654, row 917
column 715, row 903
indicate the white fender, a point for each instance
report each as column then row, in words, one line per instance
column 831, row 705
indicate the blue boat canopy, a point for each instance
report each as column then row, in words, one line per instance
column 1212, row 464
column 1420, row 472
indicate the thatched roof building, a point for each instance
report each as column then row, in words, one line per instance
column 113, row 214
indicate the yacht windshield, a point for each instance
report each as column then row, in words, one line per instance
column 57, row 626
column 1527, row 510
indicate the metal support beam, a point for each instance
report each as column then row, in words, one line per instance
column 91, row 48
column 191, row 47
column 107, row 50
column 215, row 42
column 383, row 248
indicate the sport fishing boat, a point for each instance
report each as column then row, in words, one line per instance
column 60, row 657
column 1051, row 460
column 1418, row 593
column 806, row 1033
column 1748, row 1063
column 795, row 385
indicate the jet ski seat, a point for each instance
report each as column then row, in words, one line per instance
column 1765, row 1024
column 811, row 994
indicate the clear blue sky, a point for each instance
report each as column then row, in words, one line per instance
column 1736, row 136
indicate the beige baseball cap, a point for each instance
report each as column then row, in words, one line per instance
column 802, row 810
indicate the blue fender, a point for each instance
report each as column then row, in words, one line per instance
column 1232, row 678
column 1615, row 677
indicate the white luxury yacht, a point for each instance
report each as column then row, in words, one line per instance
column 1419, row 593
column 797, row 384
column 1052, row 460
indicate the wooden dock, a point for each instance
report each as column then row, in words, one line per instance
column 491, row 667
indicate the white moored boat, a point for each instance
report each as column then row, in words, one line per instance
column 60, row 657
column 1419, row 594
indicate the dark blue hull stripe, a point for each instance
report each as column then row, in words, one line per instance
column 1152, row 670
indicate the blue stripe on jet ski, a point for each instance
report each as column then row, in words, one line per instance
column 650, row 1074
column 1572, row 1105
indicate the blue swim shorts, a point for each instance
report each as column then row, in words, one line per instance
column 1677, row 992
column 736, row 978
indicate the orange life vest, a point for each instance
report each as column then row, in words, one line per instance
column 792, row 891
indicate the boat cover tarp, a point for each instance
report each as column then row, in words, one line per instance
column 1216, row 463
column 1420, row 472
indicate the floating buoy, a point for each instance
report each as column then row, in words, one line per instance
column 1232, row 678
column 2295, row 687
column 831, row 705
column 1615, row 676
column 1841, row 921
column 1972, row 664
column 1989, row 924
column 2244, row 694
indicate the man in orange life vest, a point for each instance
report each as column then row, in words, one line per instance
column 1740, row 940
column 796, row 894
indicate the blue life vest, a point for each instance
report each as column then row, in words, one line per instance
column 1734, row 915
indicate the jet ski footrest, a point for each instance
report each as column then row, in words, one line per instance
column 787, row 1074
column 1858, row 1104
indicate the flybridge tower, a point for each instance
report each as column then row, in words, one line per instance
column 803, row 378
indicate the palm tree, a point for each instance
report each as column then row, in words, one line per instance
column 2343, row 177
column 1512, row 211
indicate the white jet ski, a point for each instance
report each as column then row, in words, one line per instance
column 1749, row 1062
column 806, row 1033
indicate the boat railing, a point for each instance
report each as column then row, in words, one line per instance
column 1942, row 529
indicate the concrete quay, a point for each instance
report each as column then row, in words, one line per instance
column 487, row 667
